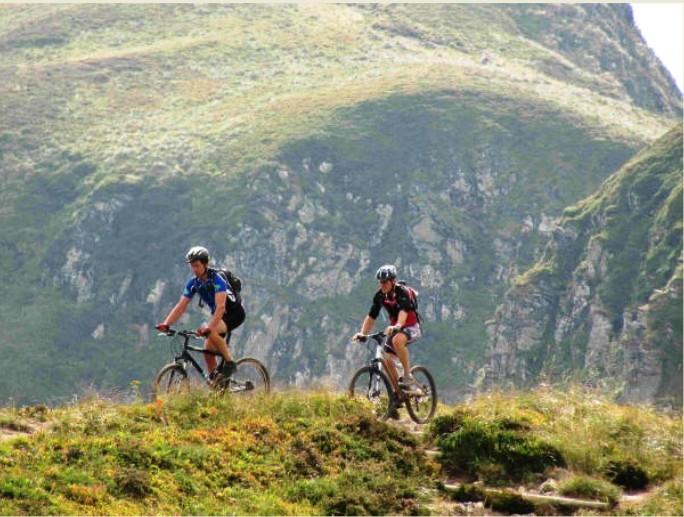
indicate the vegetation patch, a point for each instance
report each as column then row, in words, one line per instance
column 301, row 454
column 590, row 446
column 587, row 487
column 496, row 451
column 627, row 474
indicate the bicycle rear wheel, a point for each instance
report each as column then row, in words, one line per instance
column 171, row 380
column 421, row 408
column 373, row 385
column 250, row 378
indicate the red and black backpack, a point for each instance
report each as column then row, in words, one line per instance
column 412, row 296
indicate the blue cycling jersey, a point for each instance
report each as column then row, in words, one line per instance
column 207, row 290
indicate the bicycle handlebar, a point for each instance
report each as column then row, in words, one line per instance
column 376, row 335
column 185, row 333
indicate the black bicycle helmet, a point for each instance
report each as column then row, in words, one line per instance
column 197, row 253
column 386, row 272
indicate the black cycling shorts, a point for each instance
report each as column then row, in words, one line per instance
column 233, row 318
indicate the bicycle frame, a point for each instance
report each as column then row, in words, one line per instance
column 380, row 382
column 185, row 357
column 380, row 361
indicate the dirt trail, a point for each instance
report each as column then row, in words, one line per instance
column 19, row 427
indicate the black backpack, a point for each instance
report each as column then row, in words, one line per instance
column 233, row 281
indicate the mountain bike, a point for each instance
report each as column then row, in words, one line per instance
column 379, row 384
column 250, row 376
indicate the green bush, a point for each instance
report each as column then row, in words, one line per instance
column 467, row 492
column 443, row 424
column 479, row 448
column 627, row 474
column 508, row 502
column 589, row 430
column 17, row 487
column 133, row 482
column 366, row 493
column 590, row 488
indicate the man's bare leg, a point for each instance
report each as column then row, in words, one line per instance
column 399, row 342
column 391, row 369
column 393, row 374
column 217, row 344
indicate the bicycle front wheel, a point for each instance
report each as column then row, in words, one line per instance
column 250, row 378
column 171, row 380
column 421, row 407
column 373, row 385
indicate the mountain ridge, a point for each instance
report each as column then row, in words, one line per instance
column 303, row 145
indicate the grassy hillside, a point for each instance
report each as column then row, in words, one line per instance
column 313, row 453
column 217, row 88
column 291, row 454
column 304, row 145
column 565, row 442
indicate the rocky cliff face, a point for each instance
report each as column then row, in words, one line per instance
column 458, row 221
column 604, row 303
column 305, row 146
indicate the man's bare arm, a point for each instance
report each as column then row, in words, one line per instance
column 367, row 325
column 401, row 319
column 177, row 311
column 220, row 300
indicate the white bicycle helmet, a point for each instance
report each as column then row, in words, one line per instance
column 386, row 272
column 197, row 253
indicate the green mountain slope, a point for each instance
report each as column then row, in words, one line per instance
column 605, row 301
column 599, row 38
column 304, row 145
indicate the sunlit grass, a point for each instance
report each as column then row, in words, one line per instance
column 292, row 453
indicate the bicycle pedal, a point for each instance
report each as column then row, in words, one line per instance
column 394, row 414
column 217, row 382
column 414, row 391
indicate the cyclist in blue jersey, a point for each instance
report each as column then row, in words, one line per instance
column 226, row 309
